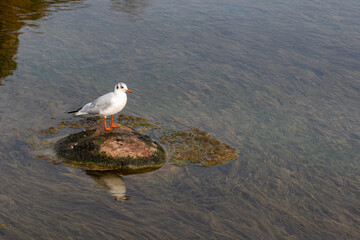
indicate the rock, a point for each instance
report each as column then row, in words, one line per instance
column 185, row 145
column 123, row 148
column 94, row 149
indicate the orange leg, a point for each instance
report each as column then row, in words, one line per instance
column 112, row 122
column 106, row 128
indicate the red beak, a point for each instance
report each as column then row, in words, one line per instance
column 128, row 90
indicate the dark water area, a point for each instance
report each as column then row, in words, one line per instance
column 277, row 80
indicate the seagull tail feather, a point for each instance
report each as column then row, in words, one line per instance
column 74, row 111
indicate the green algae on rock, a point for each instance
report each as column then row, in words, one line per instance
column 55, row 130
column 189, row 145
column 198, row 147
column 123, row 148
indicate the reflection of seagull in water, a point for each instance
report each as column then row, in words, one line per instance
column 110, row 181
column 108, row 104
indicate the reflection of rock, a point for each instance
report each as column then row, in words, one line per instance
column 131, row 7
column 123, row 148
column 111, row 181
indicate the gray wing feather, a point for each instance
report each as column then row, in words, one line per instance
column 96, row 106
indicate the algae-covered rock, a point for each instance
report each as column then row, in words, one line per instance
column 194, row 146
column 123, row 148
column 99, row 150
column 186, row 145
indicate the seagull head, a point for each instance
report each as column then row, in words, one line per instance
column 121, row 87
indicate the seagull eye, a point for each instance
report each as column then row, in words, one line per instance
column 122, row 87
column 117, row 87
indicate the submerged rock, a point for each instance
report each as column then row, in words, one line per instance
column 115, row 150
column 195, row 146
column 186, row 145
column 123, row 148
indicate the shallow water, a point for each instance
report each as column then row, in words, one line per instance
column 278, row 80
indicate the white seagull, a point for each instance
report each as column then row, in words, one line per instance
column 108, row 104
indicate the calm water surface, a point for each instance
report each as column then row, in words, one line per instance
column 278, row 80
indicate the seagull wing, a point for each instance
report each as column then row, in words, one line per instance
column 98, row 105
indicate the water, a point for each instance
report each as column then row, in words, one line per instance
column 278, row 80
